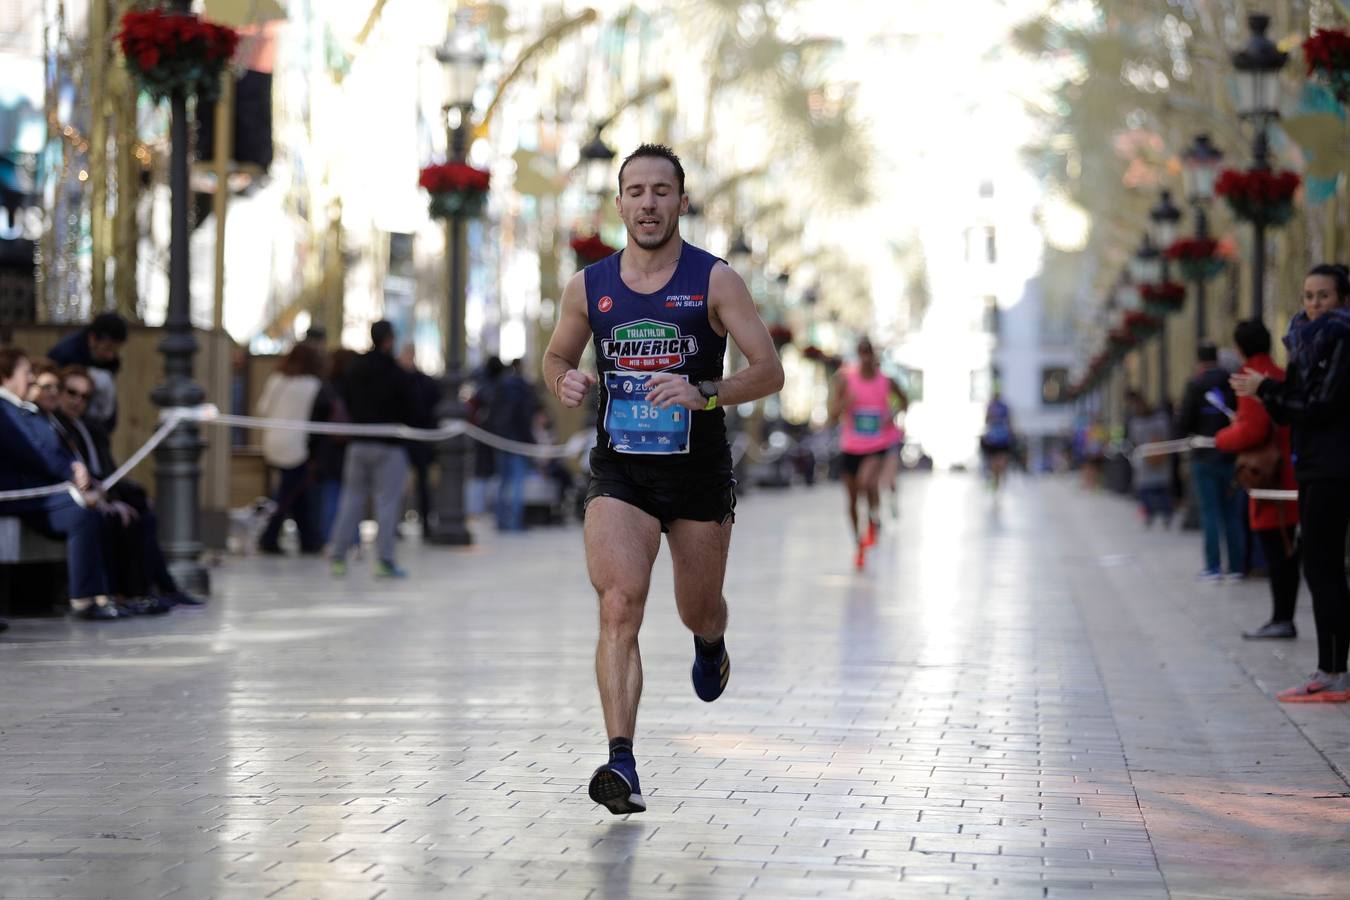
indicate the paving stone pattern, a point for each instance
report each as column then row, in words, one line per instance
column 1027, row 699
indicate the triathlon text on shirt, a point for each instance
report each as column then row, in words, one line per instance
column 648, row 346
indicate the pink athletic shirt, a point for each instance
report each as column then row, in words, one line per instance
column 868, row 422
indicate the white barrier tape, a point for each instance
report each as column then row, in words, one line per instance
column 171, row 418
column 1269, row 494
column 1165, row 448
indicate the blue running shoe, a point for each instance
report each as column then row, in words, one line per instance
column 710, row 678
column 615, row 787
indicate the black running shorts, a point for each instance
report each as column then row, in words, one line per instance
column 852, row 462
column 694, row 491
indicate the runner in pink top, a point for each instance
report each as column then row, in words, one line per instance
column 865, row 403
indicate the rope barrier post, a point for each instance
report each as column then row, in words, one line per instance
column 177, row 461
column 448, row 525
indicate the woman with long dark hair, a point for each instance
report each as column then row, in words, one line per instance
column 1314, row 399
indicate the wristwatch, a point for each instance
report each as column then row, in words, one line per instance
column 709, row 391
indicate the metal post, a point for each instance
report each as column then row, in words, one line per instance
column 1162, row 342
column 449, row 525
column 177, row 460
column 1201, row 233
column 1260, row 162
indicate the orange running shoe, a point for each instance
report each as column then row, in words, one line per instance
column 861, row 559
column 870, row 539
column 1319, row 688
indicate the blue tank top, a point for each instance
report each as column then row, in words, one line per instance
column 665, row 331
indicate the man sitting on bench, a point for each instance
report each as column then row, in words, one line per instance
column 31, row 456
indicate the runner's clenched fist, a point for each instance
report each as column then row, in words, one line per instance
column 573, row 387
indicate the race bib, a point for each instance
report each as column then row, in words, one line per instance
column 636, row 426
column 867, row 422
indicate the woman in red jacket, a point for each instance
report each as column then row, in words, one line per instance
column 1272, row 521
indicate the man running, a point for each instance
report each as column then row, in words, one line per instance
column 659, row 313
column 865, row 401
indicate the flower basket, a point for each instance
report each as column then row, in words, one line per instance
column 1161, row 299
column 457, row 189
column 1260, row 197
column 1197, row 258
column 168, row 51
column 1327, row 54
column 590, row 249
column 1142, row 325
column 781, row 335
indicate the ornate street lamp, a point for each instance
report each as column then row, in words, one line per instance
column 1258, row 66
column 177, row 460
column 597, row 156
column 1200, row 168
column 1164, row 217
column 463, row 57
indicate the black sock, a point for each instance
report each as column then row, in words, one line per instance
column 620, row 746
column 710, row 650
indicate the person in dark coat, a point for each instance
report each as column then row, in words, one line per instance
column 97, row 347
column 1314, row 399
column 1221, row 508
column 32, row 456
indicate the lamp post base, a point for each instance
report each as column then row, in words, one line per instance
column 449, row 526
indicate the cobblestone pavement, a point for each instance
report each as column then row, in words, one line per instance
column 1023, row 700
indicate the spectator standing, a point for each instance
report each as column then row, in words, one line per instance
column 1212, row 470
column 1273, row 522
column 1152, row 474
column 329, row 451
column 511, row 416
column 1314, row 399
column 98, row 347
column 31, row 455
column 292, row 393
column 484, row 457
column 376, row 391
column 426, row 396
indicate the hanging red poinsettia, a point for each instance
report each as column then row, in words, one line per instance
column 168, row 50
column 1198, row 258
column 590, row 249
column 1260, row 196
column 456, row 189
column 1161, row 299
column 1142, row 324
column 780, row 334
column 1327, row 54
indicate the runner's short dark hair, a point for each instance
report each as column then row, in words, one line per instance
column 1252, row 337
column 657, row 151
column 1207, row 352
column 109, row 325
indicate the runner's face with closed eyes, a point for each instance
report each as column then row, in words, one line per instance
column 650, row 202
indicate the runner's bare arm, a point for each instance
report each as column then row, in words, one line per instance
column 838, row 398
column 899, row 394
column 564, row 379
column 732, row 305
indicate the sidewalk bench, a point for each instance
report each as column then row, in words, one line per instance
column 32, row 571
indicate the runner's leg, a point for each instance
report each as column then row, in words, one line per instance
column 698, row 554
column 869, row 474
column 851, row 495
column 621, row 545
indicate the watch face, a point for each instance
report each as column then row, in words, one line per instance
column 707, row 388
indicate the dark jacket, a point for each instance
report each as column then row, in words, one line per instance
column 376, row 390
column 31, row 453
column 1314, row 398
column 1198, row 417
column 73, row 350
column 511, row 411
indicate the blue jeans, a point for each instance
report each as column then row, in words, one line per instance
column 1156, row 501
column 82, row 528
column 511, row 470
column 1221, row 513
